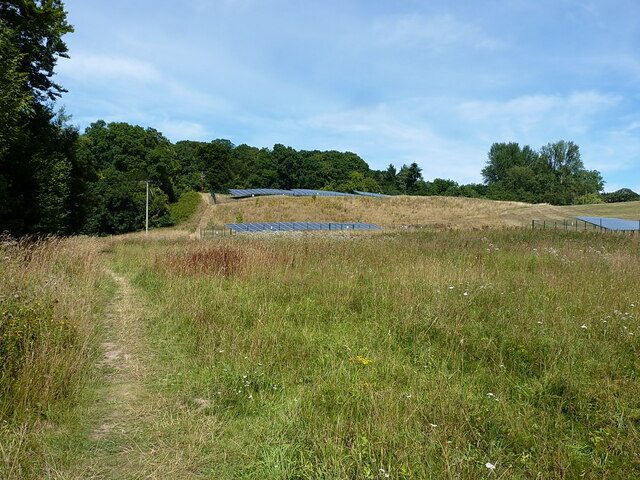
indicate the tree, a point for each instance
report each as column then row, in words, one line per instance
column 15, row 97
column 562, row 158
column 38, row 27
column 504, row 156
column 408, row 177
column 555, row 175
column 42, row 182
column 215, row 162
column 622, row 195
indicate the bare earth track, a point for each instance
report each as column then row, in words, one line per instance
column 124, row 399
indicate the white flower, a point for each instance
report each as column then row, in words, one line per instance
column 490, row 394
column 433, row 424
column 466, row 293
column 490, row 466
column 539, row 322
column 583, row 326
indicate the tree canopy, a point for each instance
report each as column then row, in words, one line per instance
column 554, row 174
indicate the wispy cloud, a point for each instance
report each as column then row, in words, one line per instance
column 438, row 32
column 538, row 114
column 107, row 68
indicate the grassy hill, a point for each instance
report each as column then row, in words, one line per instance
column 393, row 212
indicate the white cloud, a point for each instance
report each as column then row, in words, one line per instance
column 536, row 115
column 91, row 67
column 376, row 131
column 438, row 32
column 183, row 130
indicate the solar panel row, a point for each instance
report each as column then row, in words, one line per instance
column 369, row 194
column 291, row 226
column 607, row 223
column 296, row 192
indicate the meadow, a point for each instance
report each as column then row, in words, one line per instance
column 501, row 353
column 419, row 355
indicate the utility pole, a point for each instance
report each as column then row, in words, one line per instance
column 146, row 211
column 146, row 220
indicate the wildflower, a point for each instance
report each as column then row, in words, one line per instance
column 465, row 293
column 360, row 360
column 490, row 466
column 539, row 322
column 433, row 425
column 490, row 394
column 583, row 326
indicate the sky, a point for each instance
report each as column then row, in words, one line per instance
column 432, row 82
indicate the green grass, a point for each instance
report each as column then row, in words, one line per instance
column 51, row 295
column 422, row 355
column 185, row 207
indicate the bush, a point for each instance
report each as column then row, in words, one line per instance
column 588, row 199
column 185, row 207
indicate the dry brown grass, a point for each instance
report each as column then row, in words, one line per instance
column 222, row 260
column 401, row 211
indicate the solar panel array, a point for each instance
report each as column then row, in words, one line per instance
column 304, row 192
column 369, row 194
column 249, row 192
column 291, row 226
column 295, row 192
column 612, row 223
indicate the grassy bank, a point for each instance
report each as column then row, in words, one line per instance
column 416, row 355
column 51, row 293
column 402, row 211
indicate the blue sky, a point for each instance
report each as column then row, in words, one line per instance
column 396, row 82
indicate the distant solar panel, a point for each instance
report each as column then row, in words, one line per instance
column 369, row 194
column 249, row 192
column 295, row 192
column 612, row 223
column 304, row 192
column 291, row 226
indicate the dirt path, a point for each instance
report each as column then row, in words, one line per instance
column 124, row 400
column 207, row 212
column 139, row 433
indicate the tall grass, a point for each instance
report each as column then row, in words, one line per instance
column 50, row 294
column 423, row 355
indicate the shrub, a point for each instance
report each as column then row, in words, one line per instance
column 185, row 207
column 588, row 199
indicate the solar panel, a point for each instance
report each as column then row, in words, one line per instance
column 369, row 194
column 299, row 226
column 304, row 192
column 249, row 192
column 612, row 223
column 296, row 192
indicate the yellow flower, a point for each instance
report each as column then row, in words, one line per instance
column 360, row 360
